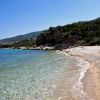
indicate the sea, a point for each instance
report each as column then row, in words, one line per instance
column 40, row 75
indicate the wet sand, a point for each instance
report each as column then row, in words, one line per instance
column 91, row 79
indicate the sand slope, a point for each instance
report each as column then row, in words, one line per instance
column 91, row 81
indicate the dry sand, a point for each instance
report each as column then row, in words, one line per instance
column 91, row 80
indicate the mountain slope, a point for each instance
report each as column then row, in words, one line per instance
column 80, row 33
column 20, row 37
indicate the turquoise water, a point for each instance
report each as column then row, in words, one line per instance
column 31, row 75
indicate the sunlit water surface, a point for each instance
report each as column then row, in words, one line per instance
column 37, row 75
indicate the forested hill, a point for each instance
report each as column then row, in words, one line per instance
column 20, row 37
column 75, row 34
column 80, row 33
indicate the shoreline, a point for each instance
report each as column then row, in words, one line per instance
column 91, row 78
column 88, row 59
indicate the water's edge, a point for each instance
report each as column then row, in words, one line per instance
column 54, row 75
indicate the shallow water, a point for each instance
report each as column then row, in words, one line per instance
column 39, row 75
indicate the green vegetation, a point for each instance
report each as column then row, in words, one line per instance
column 4, row 46
column 75, row 34
column 20, row 38
column 81, row 33
column 25, row 43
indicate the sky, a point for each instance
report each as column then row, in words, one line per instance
column 23, row 16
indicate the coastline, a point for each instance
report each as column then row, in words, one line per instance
column 88, row 83
column 91, row 78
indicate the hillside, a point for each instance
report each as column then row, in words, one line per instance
column 80, row 33
column 75, row 34
column 20, row 37
column 24, row 43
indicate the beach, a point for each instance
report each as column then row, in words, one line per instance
column 40, row 75
column 71, row 74
column 91, row 79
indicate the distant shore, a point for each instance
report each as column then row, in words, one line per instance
column 91, row 80
column 37, row 48
column 32, row 48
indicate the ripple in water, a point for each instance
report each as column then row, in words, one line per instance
column 38, row 75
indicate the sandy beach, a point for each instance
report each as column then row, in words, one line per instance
column 91, row 79
column 71, row 74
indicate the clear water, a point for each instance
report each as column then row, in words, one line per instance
column 29, row 75
column 38, row 75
